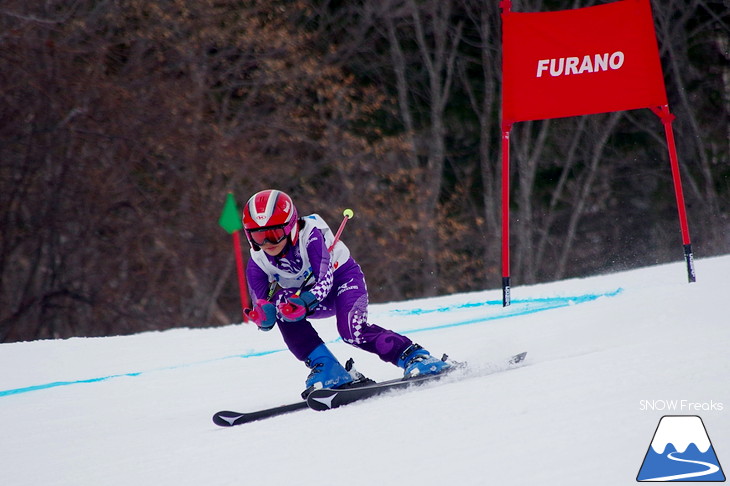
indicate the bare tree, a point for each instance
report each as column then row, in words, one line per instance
column 124, row 123
column 437, row 39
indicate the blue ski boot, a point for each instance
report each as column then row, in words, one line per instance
column 417, row 361
column 326, row 372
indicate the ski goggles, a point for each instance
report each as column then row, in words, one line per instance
column 273, row 235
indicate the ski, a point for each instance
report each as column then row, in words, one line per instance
column 326, row 399
column 517, row 358
column 228, row 418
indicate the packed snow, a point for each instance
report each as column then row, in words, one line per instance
column 608, row 356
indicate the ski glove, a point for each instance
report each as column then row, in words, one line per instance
column 297, row 307
column 263, row 314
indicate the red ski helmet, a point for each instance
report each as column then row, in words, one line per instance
column 270, row 215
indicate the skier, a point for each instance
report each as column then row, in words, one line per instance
column 295, row 274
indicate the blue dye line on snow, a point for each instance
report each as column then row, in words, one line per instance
column 518, row 308
column 529, row 306
column 55, row 384
column 542, row 303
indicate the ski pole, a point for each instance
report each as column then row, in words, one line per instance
column 348, row 214
column 301, row 287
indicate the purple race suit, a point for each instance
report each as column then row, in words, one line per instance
column 335, row 279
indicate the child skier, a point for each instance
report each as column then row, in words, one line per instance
column 295, row 273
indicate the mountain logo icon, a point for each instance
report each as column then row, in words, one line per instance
column 681, row 451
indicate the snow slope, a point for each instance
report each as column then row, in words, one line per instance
column 608, row 357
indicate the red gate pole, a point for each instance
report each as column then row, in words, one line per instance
column 666, row 118
column 506, row 291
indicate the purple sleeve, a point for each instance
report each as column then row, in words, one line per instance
column 319, row 259
column 258, row 281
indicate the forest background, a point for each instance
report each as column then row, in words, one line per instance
column 125, row 123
